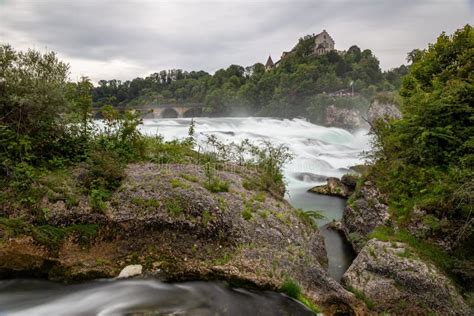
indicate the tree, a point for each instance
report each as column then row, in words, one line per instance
column 32, row 100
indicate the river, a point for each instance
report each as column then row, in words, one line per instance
column 318, row 152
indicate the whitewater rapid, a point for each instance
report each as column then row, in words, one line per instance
column 319, row 152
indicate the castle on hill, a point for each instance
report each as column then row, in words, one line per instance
column 323, row 44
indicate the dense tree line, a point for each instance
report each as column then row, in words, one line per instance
column 291, row 89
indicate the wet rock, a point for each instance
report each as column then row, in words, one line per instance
column 335, row 187
column 392, row 279
column 365, row 210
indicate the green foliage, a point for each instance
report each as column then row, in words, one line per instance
column 309, row 217
column 293, row 289
column 426, row 159
column 213, row 183
column 49, row 235
column 217, row 185
column 206, row 217
column 425, row 249
column 247, row 214
column 360, row 295
column 173, row 206
column 120, row 134
column 98, row 198
column 12, row 226
column 285, row 91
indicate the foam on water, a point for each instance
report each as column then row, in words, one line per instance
column 318, row 150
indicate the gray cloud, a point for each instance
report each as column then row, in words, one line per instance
column 126, row 38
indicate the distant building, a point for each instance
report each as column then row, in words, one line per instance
column 269, row 64
column 323, row 43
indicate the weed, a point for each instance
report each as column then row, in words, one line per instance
column 247, row 214
column 309, row 217
column 216, row 185
column 206, row 217
column 173, row 206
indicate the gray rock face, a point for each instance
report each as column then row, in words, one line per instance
column 344, row 118
column 393, row 279
column 343, row 188
column 365, row 210
column 382, row 110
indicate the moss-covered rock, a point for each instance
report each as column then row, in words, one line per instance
column 164, row 218
column 391, row 278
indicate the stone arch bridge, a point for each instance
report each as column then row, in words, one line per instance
column 164, row 110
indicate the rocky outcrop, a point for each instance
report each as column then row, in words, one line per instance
column 342, row 188
column 163, row 218
column 392, row 279
column 344, row 118
column 382, row 109
column 366, row 209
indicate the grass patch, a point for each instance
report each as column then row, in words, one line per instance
column 173, row 206
column 260, row 197
column 47, row 234
column 293, row 289
column 98, row 199
column 216, row 185
column 247, row 214
column 423, row 248
column 146, row 202
column 13, row 226
column 360, row 295
column 176, row 183
column 53, row 236
column 206, row 217
column 189, row 177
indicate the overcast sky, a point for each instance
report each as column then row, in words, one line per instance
column 124, row 39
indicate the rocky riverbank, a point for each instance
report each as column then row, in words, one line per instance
column 390, row 276
column 163, row 218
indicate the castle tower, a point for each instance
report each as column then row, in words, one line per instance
column 269, row 64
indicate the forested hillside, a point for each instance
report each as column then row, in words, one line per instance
column 299, row 86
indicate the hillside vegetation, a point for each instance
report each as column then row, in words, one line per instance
column 297, row 87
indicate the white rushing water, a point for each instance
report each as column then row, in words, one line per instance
column 319, row 152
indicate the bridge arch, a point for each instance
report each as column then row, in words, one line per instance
column 169, row 113
column 193, row 112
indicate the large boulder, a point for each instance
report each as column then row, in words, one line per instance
column 366, row 209
column 390, row 278
column 342, row 188
column 163, row 218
